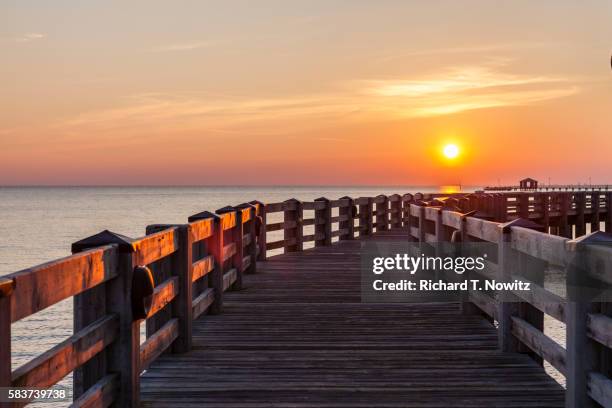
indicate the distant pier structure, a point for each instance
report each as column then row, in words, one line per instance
column 530, row 184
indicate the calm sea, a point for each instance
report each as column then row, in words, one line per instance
column 38, row 224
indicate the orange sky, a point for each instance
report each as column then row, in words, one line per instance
column 317, row 92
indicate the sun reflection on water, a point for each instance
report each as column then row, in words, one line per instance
column 450, row 189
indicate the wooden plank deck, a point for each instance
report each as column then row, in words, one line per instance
column 297, row 335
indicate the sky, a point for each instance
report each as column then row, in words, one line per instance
column 304, row 92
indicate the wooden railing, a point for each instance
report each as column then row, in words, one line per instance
column 553, row 187
column 586, row 361
column 169, row 277
column 176, row 273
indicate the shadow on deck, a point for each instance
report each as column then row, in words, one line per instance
column 298, row 336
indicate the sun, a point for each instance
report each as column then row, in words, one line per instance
column 450, row 151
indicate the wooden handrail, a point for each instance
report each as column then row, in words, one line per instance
column 541, row 344
column 526, row 332
column 201, row 230
column 53, row 365
column 93, row 268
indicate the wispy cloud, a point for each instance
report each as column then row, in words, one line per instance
column 182, row 46
column 333, row 139
column 456, row 81
column 206, row 113
column 499, row 49
column 468, row 88
column 449, row 91
column 28, row 37
column 450, row 104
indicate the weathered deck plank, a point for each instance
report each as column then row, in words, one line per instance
column 297, row 335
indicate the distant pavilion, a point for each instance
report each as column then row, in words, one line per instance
column 528, row 184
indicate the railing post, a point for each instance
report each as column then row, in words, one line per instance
column 215, row 249
column 496, row 206
column 504, row 208
column 505, row 310
column 182, row 261
column 6, row 289
column 406, row 200
column 583, row 354
column 608, row 220
column 261, row 234
column 251, row 229
column 125, row 356
column 580, row 209
column 466, row 306
column 322, row 222
column 464, row 204
column 544, row 205
column 595, row 204
column 580, row 355
column 382, row 212
column 479, row 202
column 365, row 216
column 181, row 266
column 396, row 210
column 439, row 228
column 440, row 246
column 348, row 224
column 422, row 223
column 490, row 205
column 293, row 219
column 124, row 353
column 512, row 260
column 472, row 202
column 236, row 235
column 524, row 206
column 162, row 269
column 553, row 204
column 87, row 308
column 564, row 204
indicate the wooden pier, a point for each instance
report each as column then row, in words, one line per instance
column 554, row 187
column 230, row 323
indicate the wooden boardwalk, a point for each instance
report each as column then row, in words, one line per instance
column 297, row 335
column 229, row 326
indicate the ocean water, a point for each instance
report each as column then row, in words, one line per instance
column 38, row 224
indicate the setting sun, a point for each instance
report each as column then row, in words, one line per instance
column 451, row 151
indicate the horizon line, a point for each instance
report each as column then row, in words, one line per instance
column 235, row 185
